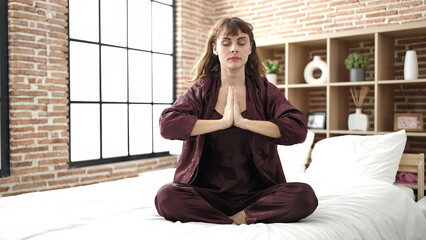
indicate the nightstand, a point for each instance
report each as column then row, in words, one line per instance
column 422, row 204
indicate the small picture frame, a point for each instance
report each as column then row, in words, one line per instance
column 316, row 120
column 411, row 122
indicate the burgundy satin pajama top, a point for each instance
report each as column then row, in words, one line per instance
column 264, row 102
column 226, row 165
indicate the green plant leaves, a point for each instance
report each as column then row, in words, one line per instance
column 271, row 66
column 357, row 60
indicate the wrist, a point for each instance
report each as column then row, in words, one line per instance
column 242, row 123
column 224, row 124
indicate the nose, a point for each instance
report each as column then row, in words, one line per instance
column 234, row 48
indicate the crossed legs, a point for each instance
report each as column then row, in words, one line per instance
column 287, row 202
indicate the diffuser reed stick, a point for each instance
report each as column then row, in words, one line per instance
column 359, row 97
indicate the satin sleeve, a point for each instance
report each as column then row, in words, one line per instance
column 290, row 121
column 177, row 122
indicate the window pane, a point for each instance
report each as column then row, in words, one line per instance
column 140, row 129
column 114, row 130
column 170, row 2
column 84, row 71
column 114, row 74
column 84, row 20
column 162, row 28
column 113, row 22
column 162, row 78
column 160, row 144
column 85, row 132
column 139, row 76
column 140, row 24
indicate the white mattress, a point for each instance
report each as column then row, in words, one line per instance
column 124, row 209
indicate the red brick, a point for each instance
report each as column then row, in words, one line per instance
column 53, row 161
column 38, row 177
column 68, row 181
column 7, row 180
column 29, row 186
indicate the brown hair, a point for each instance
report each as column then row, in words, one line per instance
column 209, row 66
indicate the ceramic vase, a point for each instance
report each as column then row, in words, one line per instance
column 316, row 63
column 358, row 121
column 272, row 78
column 411, row 68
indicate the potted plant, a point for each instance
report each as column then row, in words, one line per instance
column 272, row 69
column 357, row 63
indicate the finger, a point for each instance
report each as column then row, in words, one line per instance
column 236, row 106
column 230, row 96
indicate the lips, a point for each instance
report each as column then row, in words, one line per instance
column 234, row 58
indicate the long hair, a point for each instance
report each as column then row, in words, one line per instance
column 209, row 66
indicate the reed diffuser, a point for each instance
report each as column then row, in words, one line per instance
column 359, row 97
column 358, row 121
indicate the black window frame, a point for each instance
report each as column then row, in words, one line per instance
column 4, row 94
column 102, row 160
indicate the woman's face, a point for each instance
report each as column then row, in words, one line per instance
column 233, row 51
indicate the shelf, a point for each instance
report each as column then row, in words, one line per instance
column 409, row 134
column 417, row 81
column 363, row 83
column 388, row 92
column 347, row 132
column 305, row 85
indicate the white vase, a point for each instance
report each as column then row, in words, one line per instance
column 272, row 78
column 316, row 63
column 411, row 68
column 357, row 121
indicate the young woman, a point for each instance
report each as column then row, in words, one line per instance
column 231, row 121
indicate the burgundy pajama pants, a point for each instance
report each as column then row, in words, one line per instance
column 286, row 202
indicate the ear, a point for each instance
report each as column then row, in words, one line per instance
column 214, row 49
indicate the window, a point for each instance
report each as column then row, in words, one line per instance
column 121, row 59
column 4, row 92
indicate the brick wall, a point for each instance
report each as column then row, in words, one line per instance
column 193, row 21
column 38, row 83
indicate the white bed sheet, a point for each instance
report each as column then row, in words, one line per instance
column 124, row 209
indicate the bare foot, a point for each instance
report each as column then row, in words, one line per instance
column 239, row 218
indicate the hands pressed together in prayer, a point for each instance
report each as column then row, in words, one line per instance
column 232, row 113
column 232, row 116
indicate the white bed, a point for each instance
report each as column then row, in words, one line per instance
column 354, row 207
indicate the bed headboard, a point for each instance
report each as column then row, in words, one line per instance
column 415, row 163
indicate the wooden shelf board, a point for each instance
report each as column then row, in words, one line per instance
column 416, row 81
column 347, row 132
column 305, row 85
column 363, row 83
column 409, row 134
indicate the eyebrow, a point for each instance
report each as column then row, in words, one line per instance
column 228, row 38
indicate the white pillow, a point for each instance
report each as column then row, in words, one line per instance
column 374, row 157
column 294, row 157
